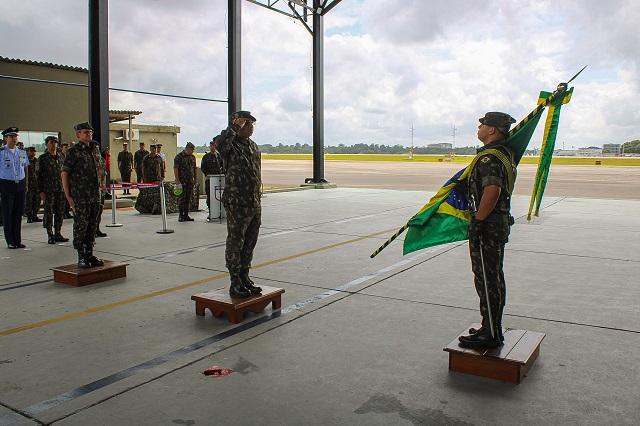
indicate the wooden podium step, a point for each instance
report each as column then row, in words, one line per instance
column 220, row 301
column 509, row 362
column 76, row 276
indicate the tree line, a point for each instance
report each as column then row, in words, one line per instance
column 631, row 147
column 362, row 148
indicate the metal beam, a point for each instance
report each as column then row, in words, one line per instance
column 234, row 54
column 318, row 96
column 99, row 70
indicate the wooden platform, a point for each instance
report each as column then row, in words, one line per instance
column 509, row 362
column 219, row 301
column 74, row 275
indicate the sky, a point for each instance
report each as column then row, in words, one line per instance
column 390, row 65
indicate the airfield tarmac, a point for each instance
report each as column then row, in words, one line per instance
column 358, row 341
column 602, row 182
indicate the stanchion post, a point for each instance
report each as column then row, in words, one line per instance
column 114, row 204
column 163, row 206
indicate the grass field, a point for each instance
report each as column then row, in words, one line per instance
column 580, row 161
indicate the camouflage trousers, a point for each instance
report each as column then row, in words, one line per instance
column 185, row 199
column 32, row 203
column 55, row 204
column 139, row 174
column 85, row 225
column 491, row 251
column 243, row 227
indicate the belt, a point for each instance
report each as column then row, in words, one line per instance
column 9, row 180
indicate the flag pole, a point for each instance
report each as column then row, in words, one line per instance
column 561, row 89
column 390, row 240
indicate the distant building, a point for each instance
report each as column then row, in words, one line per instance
column 445, row 145
column 611, row 148
column 589, row 152
column 44, row 109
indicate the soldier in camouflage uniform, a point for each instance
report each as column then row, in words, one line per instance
column 51, row 191
column 490, row 186
column 64, row 148
column 241, row 199
column 81, row 174
column 184, row 169
column 33, row 197
column 211, row 164
column 152, row 167
column 125, row 163
column 137, row 161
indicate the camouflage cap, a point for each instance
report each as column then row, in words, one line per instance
column 497, row 119
column 31, row 148
column 241, row 114
column 51, row 138
column 190, row 146
column 83, row 126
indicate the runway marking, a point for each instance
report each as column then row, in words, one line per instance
column 180, row 287
column 40, row 407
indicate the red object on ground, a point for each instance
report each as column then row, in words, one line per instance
column 217, row 372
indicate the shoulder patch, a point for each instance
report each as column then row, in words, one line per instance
column 485, row 159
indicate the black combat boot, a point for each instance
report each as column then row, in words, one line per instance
column 51, row 239
column 236, row 288
column 99, row 233
column 59, row 238
column 82, row 260
column 91, row 259
column 247, row 282
column 482, row 339
column 180, row 217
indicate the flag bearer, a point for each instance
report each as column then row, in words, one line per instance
column 490, row 185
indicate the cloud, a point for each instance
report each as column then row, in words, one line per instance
column 389, row 65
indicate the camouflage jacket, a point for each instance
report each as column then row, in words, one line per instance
column 125, row 161
column 186, row 165
column 50, row 167
column 138, row 157
column 152, row 168
column 86, row 169
column 32, row 169
column 490, row 170
column 211, row 164
column 241, row 159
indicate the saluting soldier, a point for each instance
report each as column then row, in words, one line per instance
column 491, row 183
column 184, row 169
column 137, row 161
column 51, row 190
column 152, row 167
column 81, row 175
column 125, row 164
column 241, row 199
column 33, row 196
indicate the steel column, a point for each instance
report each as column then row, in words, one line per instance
column 318, row 96
column 99, row 70
column 234, row 55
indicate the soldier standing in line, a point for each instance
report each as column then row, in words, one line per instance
column 64, row 148
column 490, row 186
column 32, row 205
column 14, row 182
column 184, row 168
column 81, row 175
column 164, row 159
column 211, row 164
column 137, row 161
column 152, row 167
column 51, row 191
column 125, row 164
column 104, row 194
column 241, row 199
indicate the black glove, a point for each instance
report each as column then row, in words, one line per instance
column 476, row 228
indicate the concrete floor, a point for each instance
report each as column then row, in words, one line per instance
column 358, row 340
